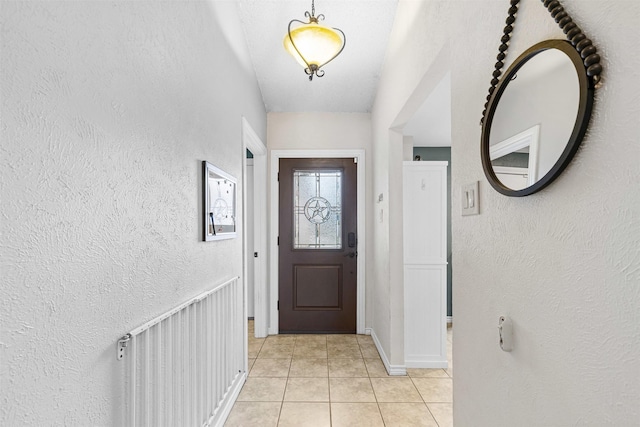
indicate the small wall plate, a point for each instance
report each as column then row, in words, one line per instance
column 470, row 199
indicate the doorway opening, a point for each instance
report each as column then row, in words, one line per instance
column 358, row 158
column 255, row 228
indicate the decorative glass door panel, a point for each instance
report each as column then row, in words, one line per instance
column 317, row 209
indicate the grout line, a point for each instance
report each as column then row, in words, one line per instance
column 280, row 413
column 329, row 385
column 432, row 416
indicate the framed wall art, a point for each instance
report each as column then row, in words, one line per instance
column 219, row 203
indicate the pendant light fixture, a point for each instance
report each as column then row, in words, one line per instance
column 313, row 45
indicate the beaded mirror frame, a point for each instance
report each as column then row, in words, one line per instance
column 582, row 53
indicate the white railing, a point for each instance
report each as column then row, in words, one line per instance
column 187, row 366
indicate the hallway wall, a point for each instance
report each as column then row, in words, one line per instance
column 108, row 109
column 563, row 263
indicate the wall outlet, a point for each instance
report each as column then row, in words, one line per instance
column 470, row 199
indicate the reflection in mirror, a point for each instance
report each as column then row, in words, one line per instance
column 515, row 160
column 534, row 119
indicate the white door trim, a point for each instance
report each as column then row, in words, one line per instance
column 251, row 141
column 527, row 138
column 359, row 157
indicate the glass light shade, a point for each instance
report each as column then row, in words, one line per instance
column 317, row 44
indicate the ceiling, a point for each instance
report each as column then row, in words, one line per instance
column 351, row 80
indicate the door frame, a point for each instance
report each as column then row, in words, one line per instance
column 359, row 157
column 252, row 142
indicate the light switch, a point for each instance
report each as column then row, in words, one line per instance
column 470, row 201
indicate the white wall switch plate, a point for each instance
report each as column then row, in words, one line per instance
column 470, row 199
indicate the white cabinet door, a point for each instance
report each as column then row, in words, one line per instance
column 425, row 316
column 425, row 213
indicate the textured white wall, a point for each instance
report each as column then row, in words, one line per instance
column 564, row 264
column 108, row 109
column 409, row 52
column 327, row 131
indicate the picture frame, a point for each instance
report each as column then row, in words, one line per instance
column 219, row 203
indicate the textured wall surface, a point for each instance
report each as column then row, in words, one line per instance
column 108, row 109
column 564, row 264
column 409, row 52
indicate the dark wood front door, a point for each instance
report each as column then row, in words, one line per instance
column 318, row 246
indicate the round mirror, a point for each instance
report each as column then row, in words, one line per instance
column 536, row 118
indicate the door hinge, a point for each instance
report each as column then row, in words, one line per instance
column 255, row 254
column 278, row 305
column 355, row 160
column 278, row 240
column 278, row 176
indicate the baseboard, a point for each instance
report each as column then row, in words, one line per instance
column 391, row 369
column 431, row 364
column 449, row 320
column 220, row 416
column 367, row 331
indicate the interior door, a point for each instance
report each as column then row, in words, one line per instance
column 318, row 246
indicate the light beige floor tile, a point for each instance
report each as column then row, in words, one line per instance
column 376, row 368
column 395, row 390
column 443, row 413
column 254, row 349
column 270, row 368
column 348, row 339
column 263, row 390
column 311, row 339
column 352, row 358
column 355, row 415
column 278, row 345
column 254, row 414
column 426, row 373
column 280, row 340
column 307, row 390
column 435, row 389
column 309, row 368
column 364, row 339
column 314, row 351
column 297, row 414
column 406, row 414
column 351, row 390
column 253, row 340
column 347, row 368
column 339, row 351
column 276, row 352
column 369, row 351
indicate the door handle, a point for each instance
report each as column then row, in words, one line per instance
column 351, row 254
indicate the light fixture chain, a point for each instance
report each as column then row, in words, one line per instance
column 313, row 7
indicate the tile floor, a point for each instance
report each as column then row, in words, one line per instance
column 336, row 380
